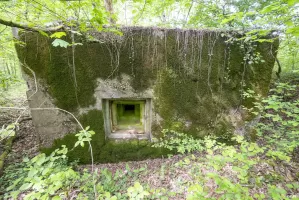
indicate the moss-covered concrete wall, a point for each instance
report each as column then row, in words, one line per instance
column 194, row 78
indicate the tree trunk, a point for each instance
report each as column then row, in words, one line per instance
column 109, row 8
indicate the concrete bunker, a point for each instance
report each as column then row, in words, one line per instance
column 134, row 85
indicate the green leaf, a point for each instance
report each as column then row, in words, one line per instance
column 43, row 33
column 270, row 8
column 14, row 184
column 25, row 159
column 295, row 123
column 25, row 186
column 289, row 23
column 41, row 159
column 292, row 2
column 32, row 172
column 224, row 21
column 60, row 43
column 45, row 197
column 15, row 194
column 58, row 35
column 56, row 197
column 45, row 171
column 294, row 31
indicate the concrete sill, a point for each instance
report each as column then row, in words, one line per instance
column 128, row 136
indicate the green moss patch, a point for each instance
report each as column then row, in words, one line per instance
column 105, row 150
column 93, row 119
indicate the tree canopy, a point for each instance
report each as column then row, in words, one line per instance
column 256, row 16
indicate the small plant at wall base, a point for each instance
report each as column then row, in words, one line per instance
column 7, row 132
column 84, row 136
column 179, row 142
column 7, row 135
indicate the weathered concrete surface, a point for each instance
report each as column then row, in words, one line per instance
column 50, row 123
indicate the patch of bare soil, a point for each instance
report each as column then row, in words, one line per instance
column 25, row 142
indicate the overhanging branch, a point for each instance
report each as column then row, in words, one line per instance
column 26, row 27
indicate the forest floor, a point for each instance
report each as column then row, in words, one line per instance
column 26, row 140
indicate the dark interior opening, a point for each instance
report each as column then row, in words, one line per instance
column 127, row 116
column 129, row 109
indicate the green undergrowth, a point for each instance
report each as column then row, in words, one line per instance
column 209, row 171
column 291, row 77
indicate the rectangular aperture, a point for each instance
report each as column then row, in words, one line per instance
column 127, row 118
